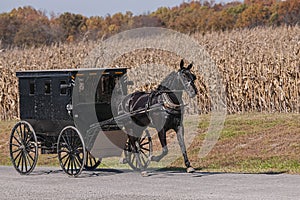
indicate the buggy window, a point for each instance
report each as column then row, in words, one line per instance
column 31, row 88
column 105, row 88
column 47, row 87
column 63, row 90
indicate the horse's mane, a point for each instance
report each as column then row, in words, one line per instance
column 167, row 82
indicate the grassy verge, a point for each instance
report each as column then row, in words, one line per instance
column 253, row 143
column 249, row 143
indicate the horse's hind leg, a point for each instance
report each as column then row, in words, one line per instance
column 163, row 142
column 180, row 138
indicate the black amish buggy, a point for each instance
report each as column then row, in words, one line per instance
column 70, row 113
column 84, row 115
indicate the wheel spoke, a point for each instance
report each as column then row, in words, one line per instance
column 145, row 149
column 142, row 140
column 63, row 157
column 16, row 150
column 78, row 157
column 63, row 150
column 28, row 161
column 143, row 159
column 26, row 132
column 72, row 137
column 32, row 149
column 21, row 133
column 66, row 140
column 78, row 160
column 78, row 163
column 145, row 143
column 136, row 163
column 144, row 153
column 28, row 140
column 91, row 161
column 77, row 143
column 25, row 161
column 20, row 137
column 15, row 145
column 22, row 163
column 133, row 158
column 19, row 154
column 66, row 161
column 30, row 157
column 72, row 162
column 69, row 137
column 18, row 141
column 69, row 163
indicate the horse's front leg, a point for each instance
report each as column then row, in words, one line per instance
column 163, row 142
column 180, row 138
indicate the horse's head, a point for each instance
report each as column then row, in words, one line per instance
column 187, row 79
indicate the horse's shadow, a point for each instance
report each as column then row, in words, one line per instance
column 151, row 172
column 168, row 172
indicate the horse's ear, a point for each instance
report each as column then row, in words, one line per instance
column 181, row 64
column 190, row 66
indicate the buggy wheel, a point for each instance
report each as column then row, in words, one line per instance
column 91, row 163
column 23, row 148
column 144, row 152
column 71, row 151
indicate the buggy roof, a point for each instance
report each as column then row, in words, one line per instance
column 68, row 72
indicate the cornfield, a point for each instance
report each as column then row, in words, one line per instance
column 260, row 68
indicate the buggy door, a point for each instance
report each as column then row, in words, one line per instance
column 43, row 99
column 27, row 89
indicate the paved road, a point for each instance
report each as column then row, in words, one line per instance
column 52, row 183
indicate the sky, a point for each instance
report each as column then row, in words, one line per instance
column 92, row 7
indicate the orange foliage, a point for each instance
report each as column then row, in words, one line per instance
column 29, row 27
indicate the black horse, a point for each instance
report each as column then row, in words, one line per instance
column 168, row 96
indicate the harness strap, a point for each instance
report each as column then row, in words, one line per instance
column 168, row 103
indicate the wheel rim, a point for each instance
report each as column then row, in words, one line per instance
column 23, row 148
column 71, row 151
column 145, row 152
column 91, row 163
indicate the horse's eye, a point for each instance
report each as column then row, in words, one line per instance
column 194, row 77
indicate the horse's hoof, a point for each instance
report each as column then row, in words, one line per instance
column 190, row 170
column 144, row 174
column 123, row 161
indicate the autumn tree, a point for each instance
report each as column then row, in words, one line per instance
column 26, row 26
column 254, row 15
column 73, row 25
column 9, row 26
column 289, row 12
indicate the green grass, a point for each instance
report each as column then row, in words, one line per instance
column 249, row 143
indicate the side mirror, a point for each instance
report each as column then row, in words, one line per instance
column 130, row 83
